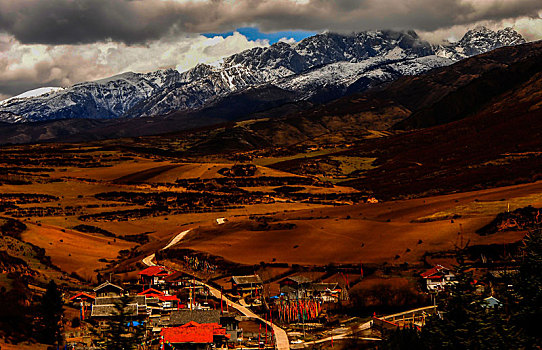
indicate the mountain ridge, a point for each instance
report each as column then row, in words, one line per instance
column 322, row 66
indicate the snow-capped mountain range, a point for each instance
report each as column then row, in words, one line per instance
column 325, row 64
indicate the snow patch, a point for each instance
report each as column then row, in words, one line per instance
column 34, row 93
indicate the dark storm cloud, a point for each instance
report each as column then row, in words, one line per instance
column 85, row 21
column 11, row 88
column 138, row 21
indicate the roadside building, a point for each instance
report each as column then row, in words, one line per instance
column 153, row 275
column 437, row 278
column 169, row 302
column 326, row 292
column 177, row 280
column 184, row 316
column 301, row 287
column 159, row 302
column 247, row 285
column 295, row 287
column 231, row 323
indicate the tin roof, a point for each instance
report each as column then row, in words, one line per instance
column 251, row 279
column 184, row 316
column 298, row 279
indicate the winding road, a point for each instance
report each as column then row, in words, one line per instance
column 176, row 239
column 281, row 338
column 149, row 260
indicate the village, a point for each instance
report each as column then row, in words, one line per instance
column 179, row 311
column 175, row 310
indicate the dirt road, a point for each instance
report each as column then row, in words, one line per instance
column 281, row 338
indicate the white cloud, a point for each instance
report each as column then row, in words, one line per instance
column 213, row 49
column 529, row 27
column 24, row 67
column 287, row 40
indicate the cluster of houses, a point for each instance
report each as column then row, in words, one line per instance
column 291, row 288
column 438, row 278
column 190, row 323
column 179, row 311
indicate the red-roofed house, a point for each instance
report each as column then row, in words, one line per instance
column 437, row 277
column 151, row 292
column 82, row 296
column 153, row 275
column 193, row 335
column 158, row 301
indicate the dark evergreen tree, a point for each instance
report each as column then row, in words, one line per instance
column 402, row 339
column 466, row 322
column 15, row 314
column 526, row 305
column 122, row 333
column 50, row 315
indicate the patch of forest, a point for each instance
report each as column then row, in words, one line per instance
column 140, row 238
column 43, row 211
column 256, row 181
column 239, row 170
column 517, row 220
column 26, row 198
column 183, row 201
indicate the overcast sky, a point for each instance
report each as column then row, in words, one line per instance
column 62, row 42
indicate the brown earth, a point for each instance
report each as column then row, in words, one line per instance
column 74, row 251
column 61, row 171
column 366, row 233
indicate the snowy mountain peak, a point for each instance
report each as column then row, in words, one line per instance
column 479, row 40
column 321, row 66
column 480, row 29
column 508, row 37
